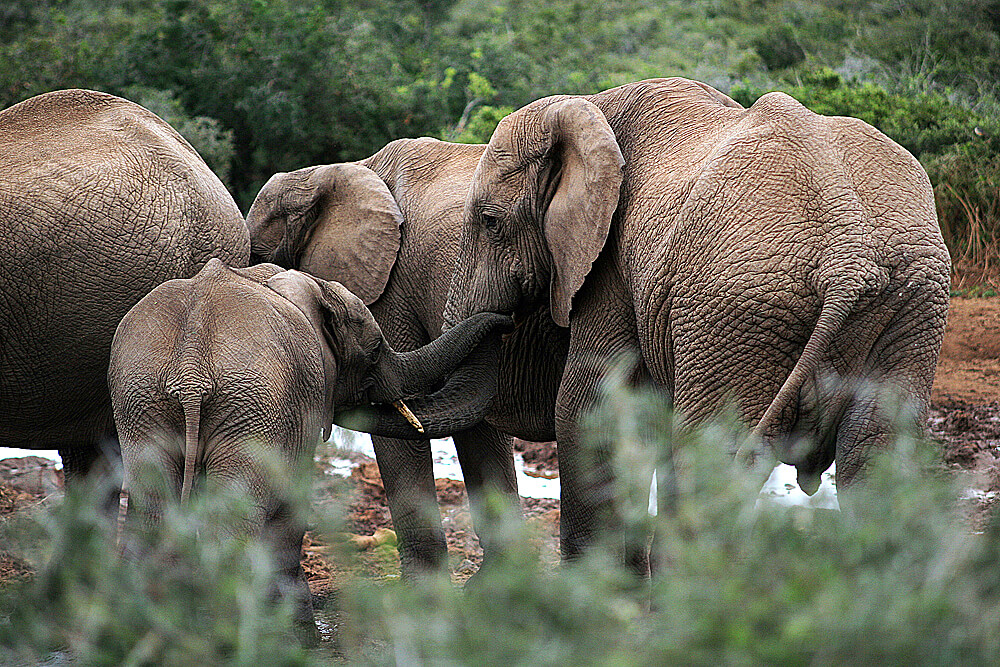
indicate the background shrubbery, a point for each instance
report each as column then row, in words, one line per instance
column 273, row 85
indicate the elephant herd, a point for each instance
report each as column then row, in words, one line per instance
column 781, row 261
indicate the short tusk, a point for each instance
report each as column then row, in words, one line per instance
column 410, row 417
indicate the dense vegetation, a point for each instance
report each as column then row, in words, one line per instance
column 901, row 580
column 272, row 85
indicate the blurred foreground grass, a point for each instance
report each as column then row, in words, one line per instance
column 902, row 580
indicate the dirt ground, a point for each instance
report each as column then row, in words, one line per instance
column 965, row 417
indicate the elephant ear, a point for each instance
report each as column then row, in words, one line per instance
column 586, row 175
column 340, row 223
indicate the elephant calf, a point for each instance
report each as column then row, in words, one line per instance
column 212, row 375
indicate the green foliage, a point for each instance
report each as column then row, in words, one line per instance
column 480, row 127
column 778, row 48
column 301, row 83
column 900, row 578
column 198, row 597
column 741, row 581
column 966, row 186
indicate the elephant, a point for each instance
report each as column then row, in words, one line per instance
column 229, row 378
column 766, row 257
column 388, row 227
column 100, row 201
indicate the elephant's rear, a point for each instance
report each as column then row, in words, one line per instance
column 882, row 286
column 212, row 373
column 101, row 202
column 910, row 311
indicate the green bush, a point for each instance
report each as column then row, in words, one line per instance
column 480, row 127
column 959, row 149
column 199, row 597
column 902, row 580
column 740, row 580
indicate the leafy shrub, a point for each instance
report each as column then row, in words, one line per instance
column 740, row 581
column 959, row 149
column 778, row 48
column 480, row 126
column 901, row 579
column 967, row 190
column 196, row 598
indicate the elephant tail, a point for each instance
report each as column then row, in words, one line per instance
column 836, row 308
column 191, row 406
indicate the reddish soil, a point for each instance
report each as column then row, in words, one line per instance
column 969, row 367
column 965, row 416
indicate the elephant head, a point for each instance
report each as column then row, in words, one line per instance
column 538, row 211
column 328, row 220
column 452, row 379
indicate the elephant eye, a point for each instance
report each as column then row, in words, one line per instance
column 491, row 222
column 376, row 352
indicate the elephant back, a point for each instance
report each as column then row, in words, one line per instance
column 100, row 201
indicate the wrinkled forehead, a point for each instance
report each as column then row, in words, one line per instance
column 510, row 146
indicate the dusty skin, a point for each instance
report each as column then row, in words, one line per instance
column 965, row 416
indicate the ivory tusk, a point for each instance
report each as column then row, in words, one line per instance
column 410, row 417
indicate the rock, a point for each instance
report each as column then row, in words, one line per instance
column 31, row 474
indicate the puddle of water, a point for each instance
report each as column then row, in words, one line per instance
column 445, row 463
column 780, row 487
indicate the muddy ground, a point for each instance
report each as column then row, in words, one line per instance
column 965, row 417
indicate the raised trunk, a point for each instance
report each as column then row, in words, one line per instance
column 465, row 359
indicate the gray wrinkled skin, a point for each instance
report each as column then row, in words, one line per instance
column 388, row 228
column 100, row 201
column 229, row 378
column 767, row 256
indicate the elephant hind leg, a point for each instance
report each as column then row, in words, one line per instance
column 894, row 395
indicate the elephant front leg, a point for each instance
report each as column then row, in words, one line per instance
column 591, row 493
column 99, row 462
column 487, row 460
column 407, row 474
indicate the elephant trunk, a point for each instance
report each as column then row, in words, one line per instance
column 465, row 359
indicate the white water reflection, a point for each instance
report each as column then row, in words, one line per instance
column 780, row 487
column 445, row 463
column 16, row 453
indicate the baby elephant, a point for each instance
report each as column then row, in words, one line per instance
column 216, row 377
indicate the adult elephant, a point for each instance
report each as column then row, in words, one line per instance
column 769, row 256
column 387, row 227
column 100, row 201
